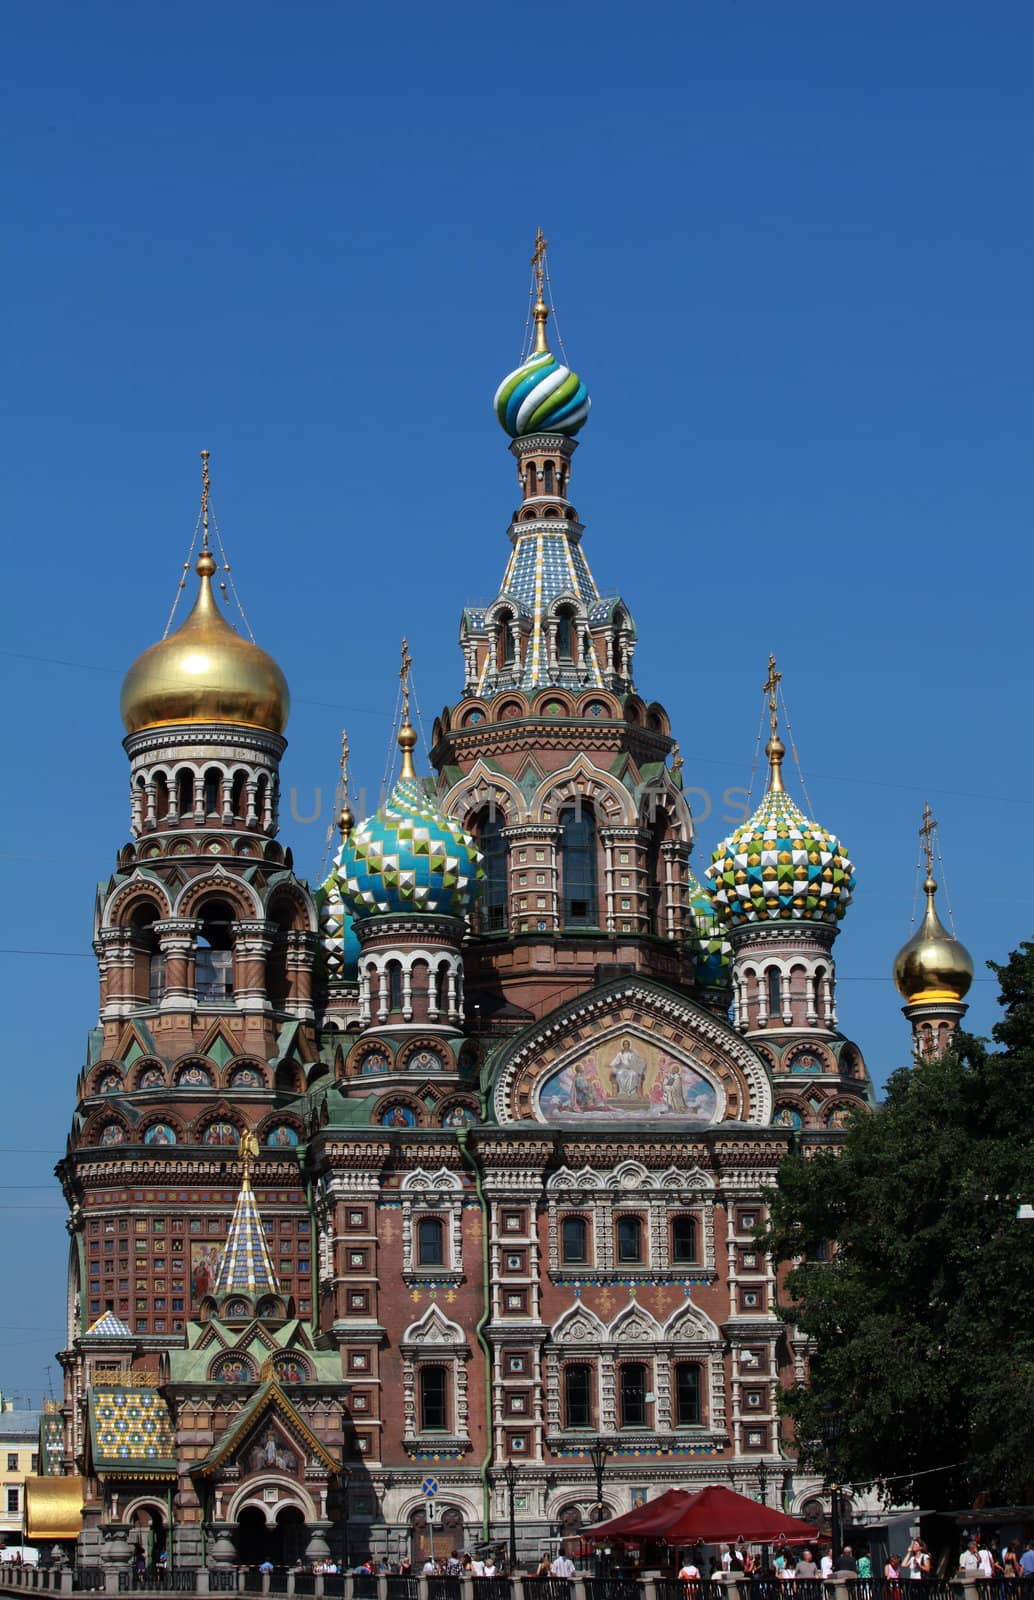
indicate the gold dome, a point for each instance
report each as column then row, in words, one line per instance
column 933, row 966
column 205, row 672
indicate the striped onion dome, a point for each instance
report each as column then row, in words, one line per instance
column 541, row 396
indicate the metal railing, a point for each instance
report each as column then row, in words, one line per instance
column 400, row 1588
column 222, row 1580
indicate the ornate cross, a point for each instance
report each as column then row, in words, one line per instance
column 771, row 687
column 206, row 486
column 927, row 830
column 407, row 662
column 344, row 761
column 538, row 256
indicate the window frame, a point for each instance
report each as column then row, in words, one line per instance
column 620, row 1255
column 625, row 1371
column 583, row 1370
column 566, row 1258
column 680, row 1220
column 436, row 1225
column 686, row 1366
column 440, row 1375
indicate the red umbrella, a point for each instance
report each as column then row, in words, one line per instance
column 714, row 1515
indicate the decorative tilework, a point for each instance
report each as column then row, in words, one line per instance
column 245, row 1266
column 108, row 1326
column 130, row 1428
column 779, row 867
column 408, row 857
column 542, row 396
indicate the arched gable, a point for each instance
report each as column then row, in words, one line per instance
column 578, row 1325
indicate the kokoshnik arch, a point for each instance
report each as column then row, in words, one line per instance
column 457, row 1159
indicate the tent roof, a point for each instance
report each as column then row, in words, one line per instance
column 714, row 1515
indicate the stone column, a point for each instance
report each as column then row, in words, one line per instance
column 301, row 956
column 114, row 949
column 222, row 1552
column 317, row 1548
column 252, row 942
column 177, row 940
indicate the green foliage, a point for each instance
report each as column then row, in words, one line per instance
column 921, row 1318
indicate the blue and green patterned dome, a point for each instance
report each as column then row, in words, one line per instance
column 542, row 396
column 779, row 867
column 408, row 857
column 714, row 952
column 337, row 927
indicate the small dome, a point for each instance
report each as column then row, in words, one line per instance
column 934, row 965
column 779, row 867
column 205, row 672
column 714, row 952
column 408, row 857
column 541, row 396
column 337, row 927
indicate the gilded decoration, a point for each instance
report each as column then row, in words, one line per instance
column 626, row 1075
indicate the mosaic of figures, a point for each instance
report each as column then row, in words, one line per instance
column 623, row 1077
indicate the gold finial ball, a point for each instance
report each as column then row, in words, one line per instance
column 205, row 564
column 933, row 966
column 407, row 737
column 345, row 821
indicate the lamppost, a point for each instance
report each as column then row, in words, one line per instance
column 346, row 1478
column 510, row 1480
column 598, row 1456
column 832, row 1429
column 763, row 1497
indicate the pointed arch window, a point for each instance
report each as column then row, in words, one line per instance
column 578, row 866
column 495, row 885
column 505, row 648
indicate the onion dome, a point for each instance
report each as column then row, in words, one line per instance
column 542, row 395
column 933, row 966
column 714, row 952
column 408, row 856
column 779, row 867
column 205, row 672
column 337, row 927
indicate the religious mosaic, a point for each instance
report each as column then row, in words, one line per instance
column 626, row 1076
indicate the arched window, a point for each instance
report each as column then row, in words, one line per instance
column 214, row 972
column 238, row 794
column 687, row 1394
column 548, row 477
column 577, row 1397
column 213, row 792
column 633, row 1395
column 184, row 793
column 441, row 989
column 495, row 885
column 430, row 1243
column 504, row 651
column 261, row 793
column 148, row 959
column 565, row 637
column 578, row 866
column 630, row 1238
column 394, row 976
column 574, row 1241
column 775, row 999
column 161, row 796
column 434, row 1399
column 683, row 1239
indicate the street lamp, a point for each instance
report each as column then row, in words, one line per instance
column 832, row 1430
column 598, row 1456
column 510, row 1480
column 763, row 1497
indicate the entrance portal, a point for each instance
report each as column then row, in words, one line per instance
column 281, row 1545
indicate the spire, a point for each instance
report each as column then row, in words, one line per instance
column 245, row 1265
column 540, row 311
column 346, row 816
column 407, row 733
column 775, row 749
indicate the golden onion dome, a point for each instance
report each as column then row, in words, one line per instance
column 205, row 672
column 934, row 965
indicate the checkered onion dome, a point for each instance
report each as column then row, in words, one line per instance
column 714, row 952
column 779, row 867
column 337, row 927
column 541, row 396
column 408, row 857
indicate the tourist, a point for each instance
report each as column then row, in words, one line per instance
column 689, row 1572
column 489, row 1570
column 986, row 1560
column 543, row 1568
column 563, row 1567
column 806, row 1567
column 1027, row 1559
column 847, row 1561
column 826, row 1564
column 917, row 1560
column 969, row 1560
column 865, row 1567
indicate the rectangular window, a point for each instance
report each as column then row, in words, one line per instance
column 633, row 1395
column 430, row 1242
column 12, row 1461
column 433, row 1399
column 574, row 1241
column 683, row 1239
column 687, row 1394
column 630, row 1239
column 577, row 1397
column 34, row 1463
column 13, row 1502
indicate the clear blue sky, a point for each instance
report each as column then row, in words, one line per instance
column 791, row 246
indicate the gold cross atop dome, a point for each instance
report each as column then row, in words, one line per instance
column 346, row 816
column 927, row 829
column 775, row 749
column 407, row 733
column 206, row 490
column 540, row 311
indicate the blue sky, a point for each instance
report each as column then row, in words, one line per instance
column 791, row 247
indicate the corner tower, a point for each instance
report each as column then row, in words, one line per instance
column 551, row 758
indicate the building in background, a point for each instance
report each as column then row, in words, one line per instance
column 453, row 1165
column 19, row 1458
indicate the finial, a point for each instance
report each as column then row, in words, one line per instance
column 775, row 749
column 346, row 816
column 540, row 311
column 407, row 733
column 677, row 758
column 248, row 1150
column 927, row 829
column 205, row 566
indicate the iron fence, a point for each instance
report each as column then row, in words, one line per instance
column 222, row 1580
column 443, row 1589
column 89, row 1579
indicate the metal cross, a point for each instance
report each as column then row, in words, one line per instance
column 771, row 686
column 926, row 833
column 407, row 662
column 538, row 255
column 205, row 489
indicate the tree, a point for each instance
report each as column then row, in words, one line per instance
column 913, row 1276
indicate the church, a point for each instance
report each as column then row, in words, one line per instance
column 429, row 1194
